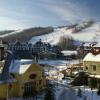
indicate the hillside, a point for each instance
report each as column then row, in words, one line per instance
column 25, row 35
column 87, row 34
column 6, row 32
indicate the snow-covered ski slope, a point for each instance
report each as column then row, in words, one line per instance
column 87, row 35
column 12, row 33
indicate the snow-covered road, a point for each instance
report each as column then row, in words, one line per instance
column 68, row 94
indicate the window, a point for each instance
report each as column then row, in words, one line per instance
column 40, row 82
column 32, row 76
column 94, row 67
column 13, row 76
column 86, row 67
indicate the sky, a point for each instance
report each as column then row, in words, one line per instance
column 20, row 14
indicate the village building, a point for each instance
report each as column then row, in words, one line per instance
column 84, row 49
column 39, row 49
column 92, row 61
column 20, row 77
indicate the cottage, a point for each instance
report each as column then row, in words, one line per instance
column 92, row 61
column 20, row 78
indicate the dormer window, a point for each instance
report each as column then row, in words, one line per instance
column 32, row 76
column 94, row 67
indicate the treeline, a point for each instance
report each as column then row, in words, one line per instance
column 6, row 32
column 66, row 43
column 27, row 34
column 83, row 25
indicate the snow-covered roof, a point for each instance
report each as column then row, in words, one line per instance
column 91, row 57
column 66, row 53
column 20, row 66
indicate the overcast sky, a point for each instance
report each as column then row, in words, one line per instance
column 19, row 14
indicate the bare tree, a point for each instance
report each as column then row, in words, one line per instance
column 66, row 43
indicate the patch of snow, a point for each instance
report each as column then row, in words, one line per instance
column 66, row 53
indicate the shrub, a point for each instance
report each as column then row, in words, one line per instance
column 92, row 82
column 98, row 92
column 80, row 79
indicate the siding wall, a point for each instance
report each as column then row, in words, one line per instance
column 4, row 90
column 89, row 65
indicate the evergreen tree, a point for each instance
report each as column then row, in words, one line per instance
column 92, row 83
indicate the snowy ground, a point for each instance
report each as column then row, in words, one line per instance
column 64, row 93
column 90, row 95
column 71, row 94
column 67, row 93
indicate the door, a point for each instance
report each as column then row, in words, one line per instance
column 29, row 89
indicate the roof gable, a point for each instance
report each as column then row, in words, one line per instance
column 34, row 68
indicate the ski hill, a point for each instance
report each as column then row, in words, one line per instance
column 89, row 34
